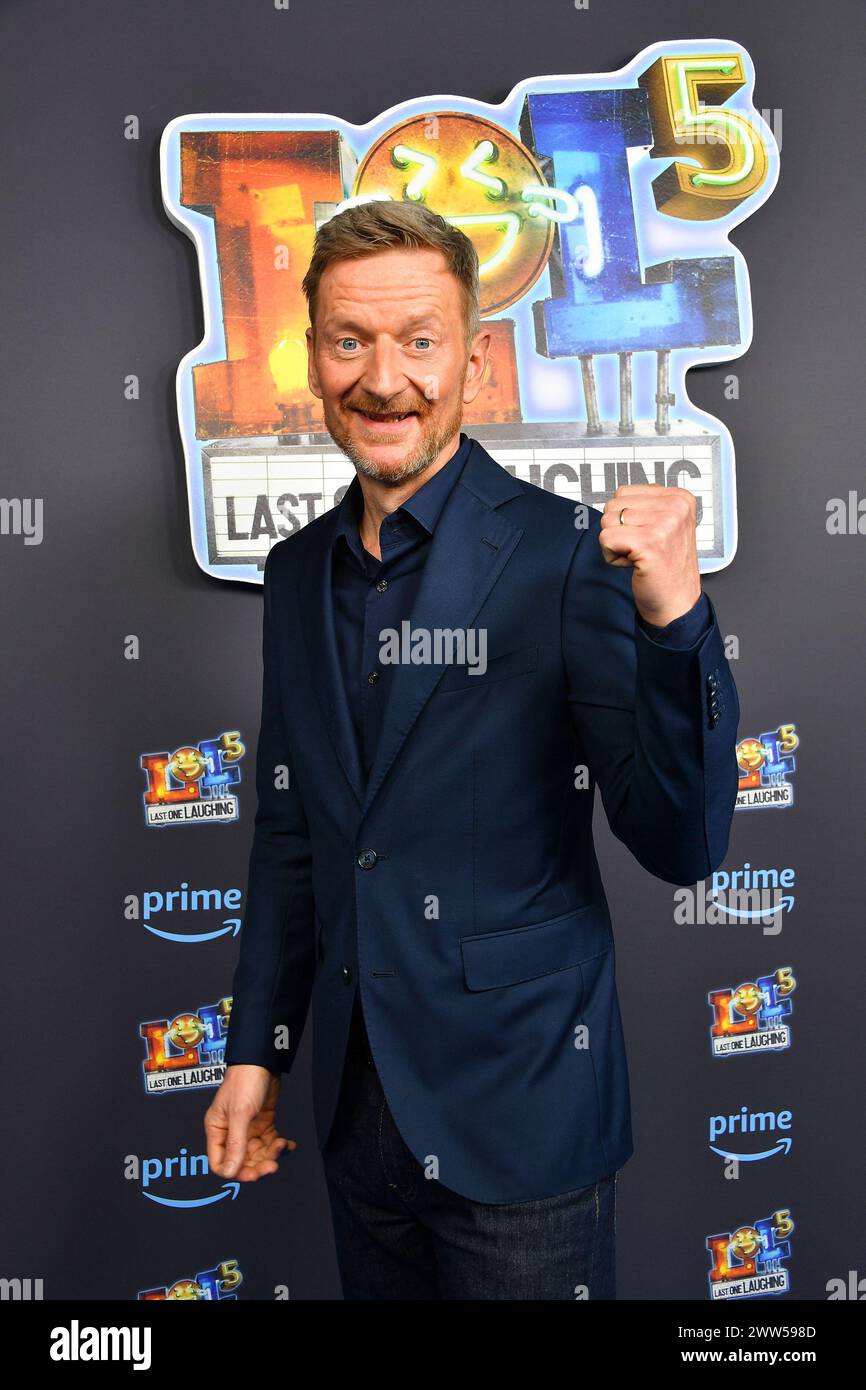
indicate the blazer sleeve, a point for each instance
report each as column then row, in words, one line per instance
column 657, row 723
column 685, row 630
column 274, row 974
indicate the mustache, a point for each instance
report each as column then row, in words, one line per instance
column 376, row 408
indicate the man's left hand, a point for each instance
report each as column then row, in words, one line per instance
column 658, row 539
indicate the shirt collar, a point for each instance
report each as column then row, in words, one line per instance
column 425, row 505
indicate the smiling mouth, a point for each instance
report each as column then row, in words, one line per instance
column 384, row 423
column 392, row 418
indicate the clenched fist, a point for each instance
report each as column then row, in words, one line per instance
column 657, row 538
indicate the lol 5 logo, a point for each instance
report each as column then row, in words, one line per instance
column 599, row 206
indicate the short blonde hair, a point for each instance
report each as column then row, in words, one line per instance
column 382, row 225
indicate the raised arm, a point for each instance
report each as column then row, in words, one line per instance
column 657, row 720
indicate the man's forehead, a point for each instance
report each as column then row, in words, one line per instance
column 421, row 309
column 384, row 276
column 396, row 262
column 428, row 300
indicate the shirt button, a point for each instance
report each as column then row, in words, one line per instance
column 367, row 858
column 382, row 586
column 373, row 677
column 347, row 974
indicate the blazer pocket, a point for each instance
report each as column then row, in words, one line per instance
column 494, row 959
column 515, row 663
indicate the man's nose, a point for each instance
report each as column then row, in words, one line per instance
column 383, row 372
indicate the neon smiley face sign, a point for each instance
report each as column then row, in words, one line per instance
column 482, row 180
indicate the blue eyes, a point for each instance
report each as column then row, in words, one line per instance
column 343, row 341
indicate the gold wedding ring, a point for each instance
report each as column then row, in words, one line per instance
column 621, row 510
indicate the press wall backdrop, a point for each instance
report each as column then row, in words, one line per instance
column 651, row 190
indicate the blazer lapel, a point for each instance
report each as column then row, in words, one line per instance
column 471, row 546
column 317, row 619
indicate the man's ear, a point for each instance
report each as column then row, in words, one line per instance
column 312, row 374
column 476, row 367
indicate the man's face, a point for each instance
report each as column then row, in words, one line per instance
column 390, row 340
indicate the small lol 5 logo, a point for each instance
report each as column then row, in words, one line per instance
column 210, row 1286
column 188, row 1052
column 193, row 783
column 765, row 763
column 751, row 1018
column 748, row 1262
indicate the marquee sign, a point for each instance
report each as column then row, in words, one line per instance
column 600, row 207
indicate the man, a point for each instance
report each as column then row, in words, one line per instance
column 423, row 865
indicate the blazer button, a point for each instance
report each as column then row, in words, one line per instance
column 367, row 858
column 347, row 974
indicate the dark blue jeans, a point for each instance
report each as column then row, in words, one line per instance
column 401, row 1235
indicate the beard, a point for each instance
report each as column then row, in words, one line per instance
column 434, row 437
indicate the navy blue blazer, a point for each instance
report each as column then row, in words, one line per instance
column 459, row 891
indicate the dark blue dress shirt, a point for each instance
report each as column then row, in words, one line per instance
column 371, row 594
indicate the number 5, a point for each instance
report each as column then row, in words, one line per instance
column 727, row 148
